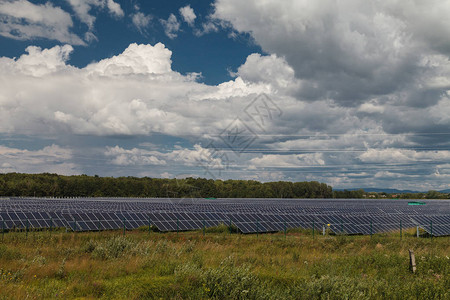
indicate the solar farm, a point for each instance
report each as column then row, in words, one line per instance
column 341, row 216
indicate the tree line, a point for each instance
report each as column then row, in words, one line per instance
column 54, row 185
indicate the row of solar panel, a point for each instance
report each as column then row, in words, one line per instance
column 437, row 225
column 327, row 205
column 250, row 215
column 245, row 227
column 436, row 229
column 97, row 216
column 244, row 207
column 94, row 216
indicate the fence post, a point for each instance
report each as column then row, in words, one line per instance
column 26, row 229
column 149, row 225
column 412, row 261
column 177, row 226
column 417, row 230
column 370, row 228
column 124, row 228
column 285, row 229
column 229, row 227
column 342, row 228
column 3, row 229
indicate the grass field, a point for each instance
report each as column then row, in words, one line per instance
column 219, row 265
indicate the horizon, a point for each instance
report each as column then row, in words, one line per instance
column 354, row 95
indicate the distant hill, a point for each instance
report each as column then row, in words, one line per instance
column 378, row 190
column 389, row 191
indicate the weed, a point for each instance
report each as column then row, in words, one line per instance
column 113, row 248
column 39, row 260
column 61, row 272
column 221, row 266
column 89, row 247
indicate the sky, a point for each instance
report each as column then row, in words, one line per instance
column 351, row 93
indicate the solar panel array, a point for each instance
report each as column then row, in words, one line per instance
column 344, row 216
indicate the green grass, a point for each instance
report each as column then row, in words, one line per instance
column 219, row 265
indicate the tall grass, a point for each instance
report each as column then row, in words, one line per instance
column 219, row 265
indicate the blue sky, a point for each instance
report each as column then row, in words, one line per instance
column 354, row 94
column 213, row 55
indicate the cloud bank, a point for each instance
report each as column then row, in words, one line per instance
column 363, row 89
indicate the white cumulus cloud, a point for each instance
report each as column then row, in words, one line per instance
column 352, row 51
column 188, row 14
column 135, row 92
column 52, row 159
column 288, row 161
column 23, row 20
column 114, row 8
column 391, row 155
column 141, row 21
column 83, row 8
column 171, row 26
column 187, row 157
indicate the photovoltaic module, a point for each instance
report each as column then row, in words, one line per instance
column 342, row 216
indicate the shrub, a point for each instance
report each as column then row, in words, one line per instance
column 112, row 248
column 231, row 282
column 61, row 272
column 222, row 228
column 88, row 247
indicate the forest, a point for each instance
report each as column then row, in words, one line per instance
column 54, row 185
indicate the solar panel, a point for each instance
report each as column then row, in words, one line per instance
column 349, row 216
